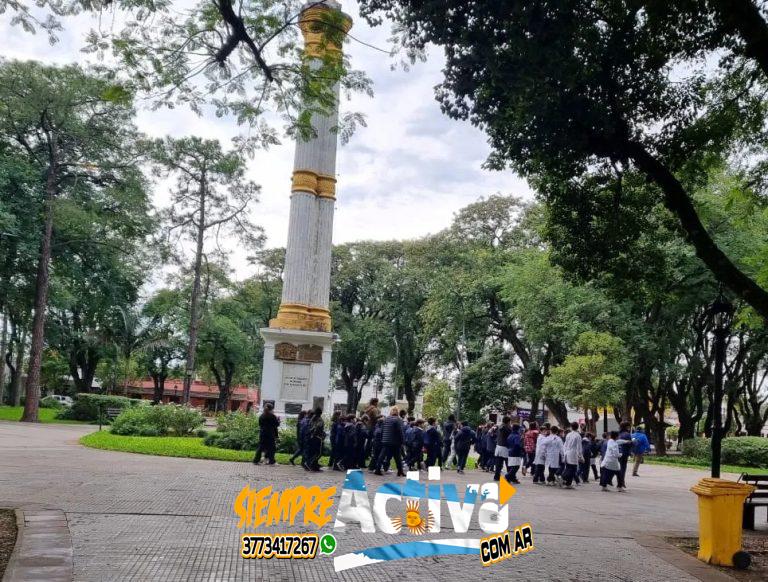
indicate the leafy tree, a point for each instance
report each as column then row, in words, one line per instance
column 487, row 384
column 78, row 138
column 593, row 374
column 211, row 197
column 438, row 399
column 357, row 296
column 580, row 96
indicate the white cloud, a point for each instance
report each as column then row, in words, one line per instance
column 403, row 176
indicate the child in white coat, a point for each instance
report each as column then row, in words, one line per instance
column 554, row 456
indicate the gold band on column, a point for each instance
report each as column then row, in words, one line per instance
column 303, row 317
column 312, row 23
column 314, row 183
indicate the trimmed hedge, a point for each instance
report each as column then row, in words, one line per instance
column 240, row 432
column 86, row 406
column 744, row 451
column 158, row 420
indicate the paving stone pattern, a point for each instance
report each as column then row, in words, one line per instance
column 135, row 517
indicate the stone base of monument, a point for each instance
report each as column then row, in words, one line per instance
column 297, row 370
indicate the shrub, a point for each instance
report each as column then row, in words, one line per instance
column 745, row 451
column 51, row 402
column 235, row 430
column 698, row 448
column 240, row 432
column 158, row 420
column 86, row 406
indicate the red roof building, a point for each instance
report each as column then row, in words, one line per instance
column 202, row 395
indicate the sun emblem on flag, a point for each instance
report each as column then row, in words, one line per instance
column 415, row 523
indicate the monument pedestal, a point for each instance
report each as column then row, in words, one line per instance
column 297, row 370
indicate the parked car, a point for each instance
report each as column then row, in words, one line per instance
column 64, row 400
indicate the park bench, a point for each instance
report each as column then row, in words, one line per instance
column 758, row 498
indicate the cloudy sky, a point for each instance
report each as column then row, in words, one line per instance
column 402, row 176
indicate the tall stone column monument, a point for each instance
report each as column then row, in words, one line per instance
column 298, row 342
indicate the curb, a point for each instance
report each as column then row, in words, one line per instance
column 659, row 547
column 43, row 549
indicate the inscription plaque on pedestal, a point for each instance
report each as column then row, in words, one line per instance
column 295, row 381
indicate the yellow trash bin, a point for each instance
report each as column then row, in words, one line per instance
column 721, row 505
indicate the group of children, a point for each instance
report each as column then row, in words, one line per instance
column 553, row 456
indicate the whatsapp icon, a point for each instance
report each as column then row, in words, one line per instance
column 327, row 544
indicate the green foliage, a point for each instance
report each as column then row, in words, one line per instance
column 592, row 375
column 240, row 432
column 51, row 402
column 486, row 384
column 158, row 420
column 439, row 399
column 744, row 451
column 87, row 406
column 235, row 430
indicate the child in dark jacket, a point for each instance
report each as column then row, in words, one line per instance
column 515, row 451
column 361, row 429
column 432, row 443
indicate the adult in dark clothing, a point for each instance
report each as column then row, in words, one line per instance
column 268, row 424
column 301, row 426
column 333, row 461
column 372, row 414
column 315, row 438
column 625, row 449
column 432, row 443
column 448, row 428
column 376, row 448
column 515, row 450
column 391, row 442
column 501, row 451
column 350, row 442
column 462, row 442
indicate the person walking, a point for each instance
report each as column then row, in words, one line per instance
column 432, row 443
column 515, row 457
column 529, row 446
column 315, row 439
column 372, row 413
column 640, row 446
column 586, row 456
column 376, row 448
column 448, row 428
column 268, row 425
column 540, row 456
column 501, row 453
column 391, row 442
column 625, row 447
column 333, row 461
column 554, row 457
column 573, row 455
column 610, row 464
column 462, row 443
column 300, row 427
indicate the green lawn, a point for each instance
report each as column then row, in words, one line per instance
column 46, row 415
column 689, row 463
column 169, row 446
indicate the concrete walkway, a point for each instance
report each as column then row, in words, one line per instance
column 136, row 517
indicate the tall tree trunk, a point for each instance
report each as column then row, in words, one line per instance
column 3, row 347
column 32, row 387
column 194, row 319
column 158, row 379
column 559, row 410
column 410, row 395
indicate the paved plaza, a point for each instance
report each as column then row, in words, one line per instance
column 136, row 517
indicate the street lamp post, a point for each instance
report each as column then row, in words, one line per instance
column 721, row 312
